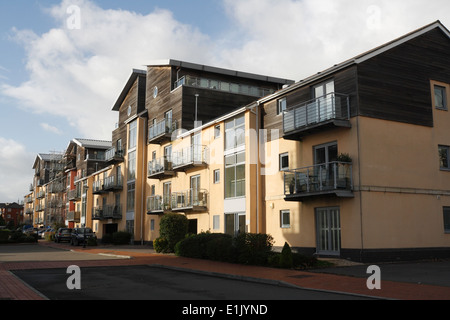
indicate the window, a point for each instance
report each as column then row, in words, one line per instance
column 132, row 166
column 447, row 219
column 444, row 157
column 235, row 133
column 216, row 222
column 440, row 97
column 132, row 135
column 235, row 223
column 152, row 225
column 217, row 132
column 216, row 176
column 282, row 106
column 130, row 197
column 284, row 161
column 285, row 219
column 235, row 175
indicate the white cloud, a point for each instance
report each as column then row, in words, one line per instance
column 296, row 39
column 51, row 129
column 15, row 170
column 78, row 74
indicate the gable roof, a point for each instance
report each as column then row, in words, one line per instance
column 131, row 80
column 96, row 144
column 360, row 58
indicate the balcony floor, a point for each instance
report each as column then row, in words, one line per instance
column 301, row 132
column 305, row 196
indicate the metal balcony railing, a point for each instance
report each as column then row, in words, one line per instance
column 189, row 200
column 318, row 179
column 161, row 129
column 194, row 155
column 107, row 212
column 222, row 86
column 112, row 183
column 333, row 106
column 114, row 155
column 161, row 166
column 158, row 204
column 74, row 216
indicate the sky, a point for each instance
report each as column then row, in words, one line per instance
column 64, row 63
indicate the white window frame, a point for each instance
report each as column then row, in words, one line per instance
column 284, row 224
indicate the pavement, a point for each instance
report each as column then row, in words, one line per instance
column 424, row 280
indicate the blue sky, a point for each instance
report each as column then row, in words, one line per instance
column 57, row 84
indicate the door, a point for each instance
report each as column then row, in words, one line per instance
column 324, row 95
column 324, row 156
column 235, row 223
column 196, row 147
column 195, row 190
column 328, row 231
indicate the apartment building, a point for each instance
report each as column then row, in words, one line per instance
column 83, row 157
column 351, row 162
column 363, row 154
column 12, row 213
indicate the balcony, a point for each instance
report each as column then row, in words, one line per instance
column 190, row 157
column 113, row 183
column 223, row 86
column 107, row 212
column 160, row 168
column 40, row 195
column 329, row 111
column 114, row 156
column 158, row 204
column 74, row 216
column 190, row 200
column 98, row 187
column 332, row 179
column 73, row 195
column 161, row 131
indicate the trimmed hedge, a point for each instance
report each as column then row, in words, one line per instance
column 246, row 248
column 4, row 235
column 173, row 228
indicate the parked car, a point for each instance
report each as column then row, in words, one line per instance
column 41, row 232
column 80, row 235
column 63, row 234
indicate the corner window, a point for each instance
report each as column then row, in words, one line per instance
column 285, row 219
column 447, row 219
column 282, row 106
column 217, row 132
column 440, row 97
column 216, row 176
column 284, row 161
column 440, row 93
column 235, row 133
column 444, row 157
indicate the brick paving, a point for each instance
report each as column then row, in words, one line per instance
column 12, row 288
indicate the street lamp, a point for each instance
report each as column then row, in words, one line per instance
column 196, row 109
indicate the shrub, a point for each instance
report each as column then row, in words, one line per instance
column 17, row 236
column 206, row 245
column 4, row 235
column 121, row 237
column 253, row 249
column 286, row 258
column 107, row 238
column 173, row 227
column 160, row 245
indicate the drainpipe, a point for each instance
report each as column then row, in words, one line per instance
column 144, row 150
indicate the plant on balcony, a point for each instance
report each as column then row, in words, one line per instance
column 344, row 170
column 344, row 157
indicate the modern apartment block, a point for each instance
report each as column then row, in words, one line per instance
column 363, row 154
column 351, row 162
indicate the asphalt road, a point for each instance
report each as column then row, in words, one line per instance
column 159, row 283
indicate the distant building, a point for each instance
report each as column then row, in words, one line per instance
column 11, row 212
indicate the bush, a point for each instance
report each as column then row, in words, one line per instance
column 160, row 245
column 121, row 237
column 107, row 238
column 17, row 237
column 173, row 228
column 4, row 235
column 252, row 248
column 212, row 246
column 286, row 258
